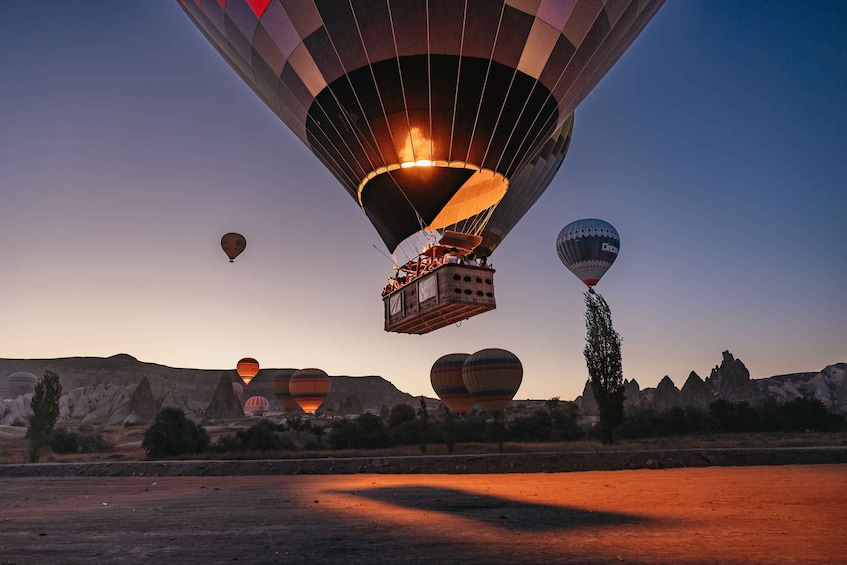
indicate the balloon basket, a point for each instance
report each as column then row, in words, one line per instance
column 447, row 295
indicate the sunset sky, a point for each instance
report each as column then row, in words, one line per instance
column 717, row 146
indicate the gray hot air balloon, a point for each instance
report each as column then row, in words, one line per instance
column 588, row 248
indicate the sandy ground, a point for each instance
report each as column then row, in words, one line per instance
column 784, row 514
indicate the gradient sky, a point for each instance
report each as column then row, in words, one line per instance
column 717, row 146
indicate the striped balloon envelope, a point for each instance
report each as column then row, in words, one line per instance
column 446, row 378
column 588, row 248
column 256, row 405
column 309, row 387
column 279, row 384
column 247, row 368
column 493, row 376
column 425, row 111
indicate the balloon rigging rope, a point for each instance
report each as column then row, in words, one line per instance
column 484, row 84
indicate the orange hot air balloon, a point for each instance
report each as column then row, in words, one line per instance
column 247, row 368
column 256, row 405
column 493, row 376
column 279, row 384
column 233, row 244
column 446, row 378
column 309, row 387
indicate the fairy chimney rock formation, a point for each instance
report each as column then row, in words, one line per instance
column 224, row 404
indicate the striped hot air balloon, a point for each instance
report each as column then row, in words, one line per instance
column 588, row 248
column 279, row 384
column 493, row 376
column 309, row 387
column 446, row 378
column 427, row 112
column 256, row 405
column 247, row 368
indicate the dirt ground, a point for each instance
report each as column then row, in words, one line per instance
column 782, row 514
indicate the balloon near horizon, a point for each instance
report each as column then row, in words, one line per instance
column 588, row 248
column 309, row 387
column 493, row 377
column 282, row 392
column 446, row 379
column 233, row 244
column 256, row 405
column 431, row 116
column 247, row 368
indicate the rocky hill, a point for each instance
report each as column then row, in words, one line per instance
column 731, row 381
column 103, row 390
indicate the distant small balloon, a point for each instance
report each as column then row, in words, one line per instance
column 588, row 248
column 237, row 389
column 233, row 244
column 256, row 405
column 247, row 368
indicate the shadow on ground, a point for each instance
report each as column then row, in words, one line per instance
column 494, row 510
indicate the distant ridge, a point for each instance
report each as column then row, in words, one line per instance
column 194, row 388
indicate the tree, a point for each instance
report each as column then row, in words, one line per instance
column 400, row 413
column 45, row 413
column 449, row 431
column 174, row 434
column 603, row 359
column 424, row 423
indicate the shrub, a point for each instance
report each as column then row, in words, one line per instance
column 263, row 436
column 62, row 441
column 174, row 434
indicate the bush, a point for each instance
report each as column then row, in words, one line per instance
column 365, row 432
column 263, row 436
column 174, row 434
column 62, row 441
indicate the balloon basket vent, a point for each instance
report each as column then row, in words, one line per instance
column 445, row 296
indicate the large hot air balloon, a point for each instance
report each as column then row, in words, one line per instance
column 309, row 387
column 247, row 368
column 279, row 384
column 233, row 244
column 588, row 248
column 256, row 405
column 446, row 378
column 428, row 113
column 493, row 376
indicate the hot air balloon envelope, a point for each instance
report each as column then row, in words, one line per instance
column 279, row 384
column 446, row 379
column 493, row 376
column 256, row 405
column 247, row 368
column 233, row 244
column 309, row 387
column 588, row 248
column 425, row 112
